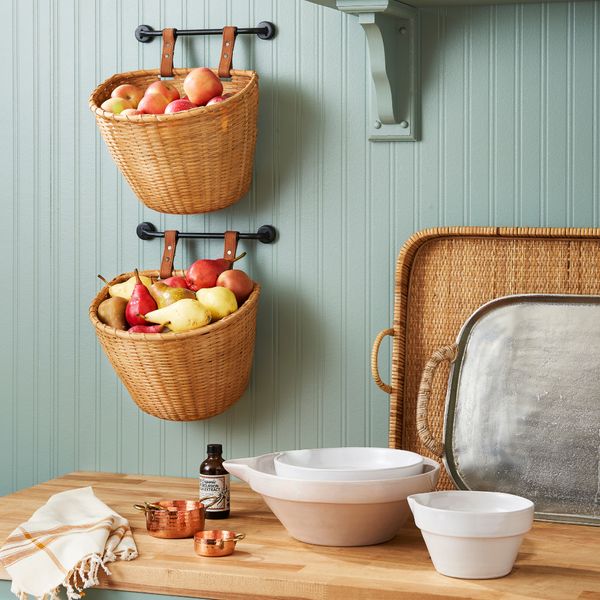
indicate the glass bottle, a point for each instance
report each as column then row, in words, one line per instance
column 214, row 481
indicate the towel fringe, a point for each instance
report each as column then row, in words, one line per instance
column 84, row 575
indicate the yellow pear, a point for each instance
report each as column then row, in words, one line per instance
column 125, row 288
column 220, row 301
column 183, row 315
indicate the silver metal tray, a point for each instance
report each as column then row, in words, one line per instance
column 523, row 404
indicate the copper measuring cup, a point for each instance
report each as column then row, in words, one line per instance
column 216, row 542
column 174, row 519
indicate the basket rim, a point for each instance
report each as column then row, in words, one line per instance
column 223, row 323
column 184, row 114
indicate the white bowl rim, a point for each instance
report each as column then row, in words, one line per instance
column 527, row 505
column 430, row 466
column 279, row 457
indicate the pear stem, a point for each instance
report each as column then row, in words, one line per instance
column 103, row 279
column 238, row 257
column 137, row 277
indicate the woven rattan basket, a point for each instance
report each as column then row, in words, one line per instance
column 183, row 376
column 189, row 162
column 443, row 276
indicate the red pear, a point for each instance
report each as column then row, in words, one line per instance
column 175, row 281
column 238, row 282
column 140, row 303
column 204, row 272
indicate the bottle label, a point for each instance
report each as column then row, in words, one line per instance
column 215, row 486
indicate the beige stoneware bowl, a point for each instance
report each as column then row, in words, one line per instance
column 335, row 513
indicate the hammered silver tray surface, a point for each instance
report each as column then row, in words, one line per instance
column 523, row 405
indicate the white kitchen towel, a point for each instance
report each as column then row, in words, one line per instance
column 65, row 542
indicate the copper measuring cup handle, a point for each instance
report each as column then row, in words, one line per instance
column 147, row 506
column 220, row 542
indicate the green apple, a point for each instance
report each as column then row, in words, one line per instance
column 116, row 105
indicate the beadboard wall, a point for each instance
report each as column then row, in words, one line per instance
column 510, row 136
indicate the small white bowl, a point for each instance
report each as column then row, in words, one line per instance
column 348, row 464
column 472, row 535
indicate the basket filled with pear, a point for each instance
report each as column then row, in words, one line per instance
column 182, row 345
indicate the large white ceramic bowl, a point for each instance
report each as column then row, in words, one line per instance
column 472, row 535
column 335, row 513
column 347, row 464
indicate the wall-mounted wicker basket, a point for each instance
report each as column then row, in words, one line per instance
column 189, row 162
column 182, row 376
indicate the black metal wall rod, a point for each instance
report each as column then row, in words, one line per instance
column 265, row 234
column 265, row 30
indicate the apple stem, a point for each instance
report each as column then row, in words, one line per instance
column 238, row 257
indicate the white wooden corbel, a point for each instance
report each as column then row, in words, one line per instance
column 392, row 33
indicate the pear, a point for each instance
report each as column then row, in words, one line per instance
column 111, row 312
column 219, row 301
column 125, row 288
column 183, row 315
column 140, row 303
column 164, row 295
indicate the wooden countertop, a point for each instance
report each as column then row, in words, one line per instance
column 556, row 561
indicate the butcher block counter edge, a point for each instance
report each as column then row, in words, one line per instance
column 556, row 561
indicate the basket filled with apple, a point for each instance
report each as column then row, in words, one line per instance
column 182, row 345
column 184, row 139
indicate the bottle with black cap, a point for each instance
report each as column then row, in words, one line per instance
column 214, row 481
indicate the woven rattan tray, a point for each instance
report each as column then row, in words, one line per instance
column 443, row 275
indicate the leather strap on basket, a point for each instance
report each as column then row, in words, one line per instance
column 225, row 64
column 445, row 353
column 166, row 265
column 168, row 48
column 231, row 242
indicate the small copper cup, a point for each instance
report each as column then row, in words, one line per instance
column 174, row 519
column 216, row 542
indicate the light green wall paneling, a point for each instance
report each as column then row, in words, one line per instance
column 510, row 137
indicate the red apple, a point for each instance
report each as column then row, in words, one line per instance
column 153, row 104
column 131, row 112
column 238, row 282
column 203, row 273
column 164, row 88
column 116, row 105
column 175, row 281
column 201, row 85
column 129, row 92
column 216, row 100
column 178, row 106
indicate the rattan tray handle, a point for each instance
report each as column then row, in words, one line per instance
column 445, row 353
column 374, row 360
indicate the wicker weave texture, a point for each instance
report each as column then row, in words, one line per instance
column 444, row 275
column 183, row 376
column 190, row 162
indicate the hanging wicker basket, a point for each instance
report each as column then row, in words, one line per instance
column 188, row 162
column 182, row 376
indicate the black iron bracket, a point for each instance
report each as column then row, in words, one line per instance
column 265, row 30
column 265, row 234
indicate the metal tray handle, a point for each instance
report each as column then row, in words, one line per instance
column 445, row 353
column 374, row 360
